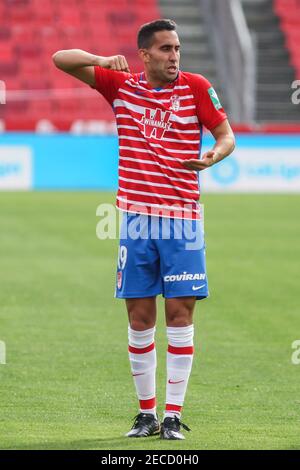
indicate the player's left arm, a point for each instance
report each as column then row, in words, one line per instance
column 224, row 146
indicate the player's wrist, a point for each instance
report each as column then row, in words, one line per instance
column 101, row 61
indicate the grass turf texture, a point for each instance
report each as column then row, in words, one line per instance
column 66, row 384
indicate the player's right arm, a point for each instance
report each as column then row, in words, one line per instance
column 80, row 64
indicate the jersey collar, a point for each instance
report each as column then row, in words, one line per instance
column 142, row 78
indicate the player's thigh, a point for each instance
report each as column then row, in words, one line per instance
column 182, row 261
column 138, row 273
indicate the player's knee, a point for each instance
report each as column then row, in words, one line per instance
column 141, row 319
column 179, row 318
column 179, row 313
column 178, row 322
column 141, row 324
column 141, row 313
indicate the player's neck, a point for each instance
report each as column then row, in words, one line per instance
column 155, row 82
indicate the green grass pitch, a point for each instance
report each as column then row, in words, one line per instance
column 66, row 383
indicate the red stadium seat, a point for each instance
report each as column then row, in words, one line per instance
column 20, row 15
column 40, row 109
column 95, row 4
column 29, row 51
column 8, row 69
column 25, row 34
column 17, row 3
column 50, row 47
column 5, row 33
column 31, row 68
column 36, row 83
column 16, row 106
column 61, row 80
column 45, row 18
column 122, row 18
column 69, row 17
column 69, row 5
column 6, row 51
column 12, row 82
column 38, row 5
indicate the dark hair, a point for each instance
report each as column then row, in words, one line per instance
column 147, row 30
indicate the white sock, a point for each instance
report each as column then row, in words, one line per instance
column 179, row 365
column 142, row 357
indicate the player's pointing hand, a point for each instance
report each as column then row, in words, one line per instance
column 207, row 160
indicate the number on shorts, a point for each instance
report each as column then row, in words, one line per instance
column 122, row 257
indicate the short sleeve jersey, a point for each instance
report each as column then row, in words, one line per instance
column 158, row 129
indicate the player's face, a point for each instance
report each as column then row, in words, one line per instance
column 162, row 58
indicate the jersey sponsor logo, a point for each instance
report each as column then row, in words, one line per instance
column 185, row 277
column 175, row 103
column 214, row 98
column 156, row 122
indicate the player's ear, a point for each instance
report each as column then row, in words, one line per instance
column 144, row 55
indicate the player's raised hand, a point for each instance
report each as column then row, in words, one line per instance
column 115, row 62
column 207, row 160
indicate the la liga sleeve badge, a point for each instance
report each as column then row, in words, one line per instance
column 214, row 98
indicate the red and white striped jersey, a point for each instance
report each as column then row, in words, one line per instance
column 158, row 129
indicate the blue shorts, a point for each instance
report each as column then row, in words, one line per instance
column 159, row 255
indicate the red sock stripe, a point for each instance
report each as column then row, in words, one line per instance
column 141, row 350
column 148, row 404
column 173, row 408
column 186, row 350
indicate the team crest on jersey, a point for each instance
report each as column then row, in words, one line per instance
column 175, row 103
column 156, row 122
column 119, row 281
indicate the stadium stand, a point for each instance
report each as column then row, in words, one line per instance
column 288, row 12
column 197, row 52
column 32, row 30
column 275, row 27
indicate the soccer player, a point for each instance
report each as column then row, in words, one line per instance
column 160, row 113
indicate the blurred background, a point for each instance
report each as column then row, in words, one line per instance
column 56, row 133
